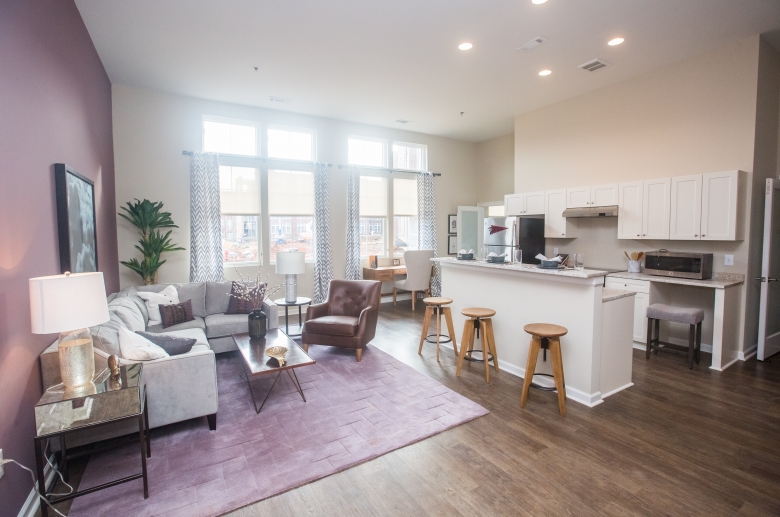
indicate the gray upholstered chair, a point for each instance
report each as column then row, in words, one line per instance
column 418, row 273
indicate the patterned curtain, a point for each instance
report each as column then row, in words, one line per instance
column 323, row 259
column 353, row 224
column 426, row 217
column 205, row 219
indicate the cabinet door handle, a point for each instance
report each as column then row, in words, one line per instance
column 695, row 235
column 772, row 279
column 761, row 279
column 703, row 235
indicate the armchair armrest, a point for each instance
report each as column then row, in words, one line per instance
column 317, row 311
column 367, row 322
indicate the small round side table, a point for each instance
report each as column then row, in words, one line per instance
column 299, row 302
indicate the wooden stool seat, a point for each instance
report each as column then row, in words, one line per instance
column 547, row 336
column 479, row 321
column 545, row 330
column 478, row 312
column 437, row 300
column 436, row 305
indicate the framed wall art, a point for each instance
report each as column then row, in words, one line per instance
column 76, row 229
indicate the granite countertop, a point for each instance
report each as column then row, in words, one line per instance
column 718, row 280
column 607, row 294
column 525, row 268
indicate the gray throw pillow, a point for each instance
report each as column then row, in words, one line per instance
column 174, row 345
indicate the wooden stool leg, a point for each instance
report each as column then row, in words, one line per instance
column 691, row 345
column 649, row 337
column 492, row 343
column 485, row 348
column 438, row 331
column 451, row 328
column 560, row 383
column 530, row 367
column 414, row 297
column 468, row 337
column 426, row 324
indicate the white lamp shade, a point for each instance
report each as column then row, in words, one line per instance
column 63, row 303
column 290, row 262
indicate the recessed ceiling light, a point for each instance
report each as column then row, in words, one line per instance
column 545, row 72
column 616, row 41
column 465, row 46
column 537, row 2
column 254, row 68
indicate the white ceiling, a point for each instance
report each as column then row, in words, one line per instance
column 374, row 62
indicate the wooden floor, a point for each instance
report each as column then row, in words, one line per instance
column 679, row 442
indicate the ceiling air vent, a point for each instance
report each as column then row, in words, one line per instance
column 280, row 100
column 403, row 121
column 528, row 47
column 592, row 66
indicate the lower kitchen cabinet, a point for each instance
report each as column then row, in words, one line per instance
column 641, row 301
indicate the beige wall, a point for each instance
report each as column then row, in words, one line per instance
column 152, row 129
column 692, row 117
column 495, row 161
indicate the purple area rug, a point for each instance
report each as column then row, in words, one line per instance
column 354, row 412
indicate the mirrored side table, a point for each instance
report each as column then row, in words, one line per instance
column 108, row 399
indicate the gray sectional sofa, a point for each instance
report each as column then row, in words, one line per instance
column 179, row 387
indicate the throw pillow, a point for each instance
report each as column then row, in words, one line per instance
column 176, row 313
column 138, row 348
column 153, row 300
column 173, row 345
column 236, row 305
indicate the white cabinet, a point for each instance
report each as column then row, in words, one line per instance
column 527, row 203
column 600, row 195
column 719, row 206
column 685, row 216
column 641, row 302
column 630, row 214
column 656, row 197
column 555, row 225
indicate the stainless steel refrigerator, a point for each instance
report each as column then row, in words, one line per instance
column 509, row 234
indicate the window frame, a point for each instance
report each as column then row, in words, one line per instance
column 386, row 232
column 391, row 204
column 291, row 129
column 233, row 122
column 385, row 151
column 259, row 216
column 268, row 170
column 423, row 161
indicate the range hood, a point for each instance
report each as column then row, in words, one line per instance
column 592, row 211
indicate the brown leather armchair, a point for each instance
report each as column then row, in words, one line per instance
column 347, row 319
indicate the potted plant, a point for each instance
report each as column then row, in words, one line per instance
column 148, row 217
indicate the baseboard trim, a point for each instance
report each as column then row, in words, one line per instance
column 388, row 297
column 33, row 502
column 747, row 354
column 675, row 341
column 605, row 395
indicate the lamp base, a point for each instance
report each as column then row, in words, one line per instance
column 290, row 289
column 77, row 359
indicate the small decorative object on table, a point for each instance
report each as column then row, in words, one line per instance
column 373, row 261
column 113, row 365
column 635, row 261
column 277, row 352
column 396, row 262
column 495, row 258
column 290, row 264
column 466, row 255
column 254, row 294
column 553, row 263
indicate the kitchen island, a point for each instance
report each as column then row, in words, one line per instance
column 596, row 351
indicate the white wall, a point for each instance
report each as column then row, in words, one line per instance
column 151, row 130
column 495, row 159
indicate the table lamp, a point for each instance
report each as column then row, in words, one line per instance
column 290, row 263
column 68, row 304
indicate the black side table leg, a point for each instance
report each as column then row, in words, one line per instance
column 142, row 440
column 41, row 478
column 300, row 319
column 148, row 430
column 287, row 319
column 63, row 459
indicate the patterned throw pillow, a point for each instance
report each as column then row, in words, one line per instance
column 176, row 313
column 236, row 305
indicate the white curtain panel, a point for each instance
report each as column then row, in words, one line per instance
column 323, row 258
column 426, row 217
column 353, row 224
column 205, row 219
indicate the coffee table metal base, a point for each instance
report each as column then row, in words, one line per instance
column 293, row 378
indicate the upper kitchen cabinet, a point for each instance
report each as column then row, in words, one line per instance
column 685, row 216
column 528, row 203
column 630, row 210
column 720, row 215
column 600, row 195
column 555, row 225
column 656, row 210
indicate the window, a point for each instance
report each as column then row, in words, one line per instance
column 239, row 199
column 410, row 157
column 404, row 215
column 367, row 151
column 291, row 212
column 291, row 144
column 229, row 138
column 373, row 215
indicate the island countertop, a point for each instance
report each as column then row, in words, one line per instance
column 523, row 268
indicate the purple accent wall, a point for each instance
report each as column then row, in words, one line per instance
column 55, row 106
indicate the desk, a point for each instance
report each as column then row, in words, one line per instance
column 384, row 273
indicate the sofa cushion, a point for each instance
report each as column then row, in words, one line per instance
column 131, row 293
column 332, row 325
column 221, row 325
column 105, row 336
column 217, row 297
column 197, row 334
column 197, row 323
column 137, row 348
column 128, row 312
column 690, row 316
column 196, row 293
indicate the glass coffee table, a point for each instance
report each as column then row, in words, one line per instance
column 106, row 400
column 258, row 363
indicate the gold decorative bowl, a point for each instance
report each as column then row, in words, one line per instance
column 277, row 352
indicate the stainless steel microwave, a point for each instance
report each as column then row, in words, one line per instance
column 682, row 265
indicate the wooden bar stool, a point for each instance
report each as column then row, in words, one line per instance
column 686, row 316
column 436, row 305
column 545, row 336
column 479, row 320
